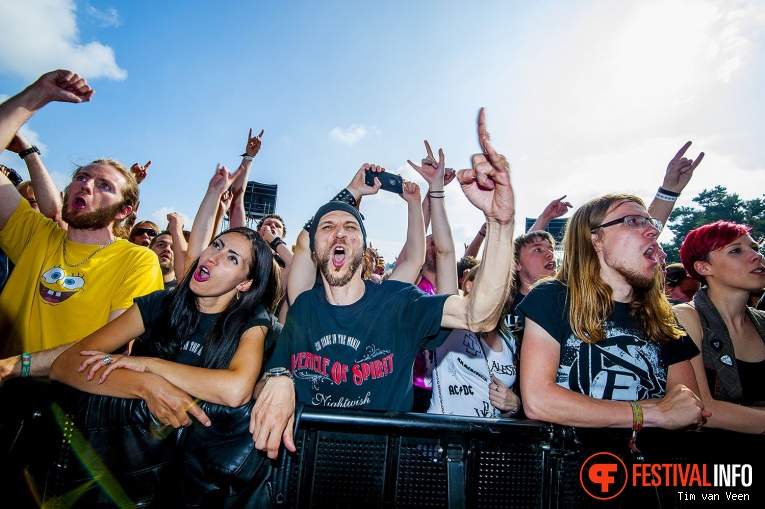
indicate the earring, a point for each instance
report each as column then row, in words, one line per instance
column 237, row 294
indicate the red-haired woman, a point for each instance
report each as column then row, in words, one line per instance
column 730, row 371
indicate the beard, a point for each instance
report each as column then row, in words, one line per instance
column 637, row 280
column 93, row 220
column 166, row 265
column 339, row 280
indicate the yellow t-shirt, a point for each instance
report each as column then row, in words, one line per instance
column 47, row 302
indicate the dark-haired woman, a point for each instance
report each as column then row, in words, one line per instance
column 730, row 371
column 202, row 341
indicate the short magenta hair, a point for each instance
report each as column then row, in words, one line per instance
column 705, row 239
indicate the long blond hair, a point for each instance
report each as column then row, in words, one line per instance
column 590, row 299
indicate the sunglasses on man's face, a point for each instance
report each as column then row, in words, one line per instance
column 151, row 232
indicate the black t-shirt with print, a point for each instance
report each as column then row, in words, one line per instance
column 360, row 355
column 623, row 367
column 191, row 351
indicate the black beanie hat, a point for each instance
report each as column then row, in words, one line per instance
column 330, row 207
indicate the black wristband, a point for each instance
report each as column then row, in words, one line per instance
column 30, row 150
column 345, row 196
column 276, row 243
column 307, row 225
column 12, row 175
column 668, row 193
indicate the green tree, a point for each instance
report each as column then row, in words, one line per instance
column 715, row 204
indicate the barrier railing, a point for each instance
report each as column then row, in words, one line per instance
column 373, row 459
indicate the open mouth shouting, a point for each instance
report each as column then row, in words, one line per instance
column 202, row 274
column 338, row 256
column 79, row 203
column 652, row 253
column 551, row 266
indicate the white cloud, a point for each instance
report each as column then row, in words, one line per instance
column 106, row 18
column 160, row 217
column 47, row 39
column 351, row 135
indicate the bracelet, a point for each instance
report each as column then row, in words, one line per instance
column 307, row 225
column 665, row 195
column 12, row 175
column 248, row 157
column 278, row 242
column 26, row 364
column 482, row 234
column 637, row 425
column 668, row 192
column 30, row 150
column 345, row 196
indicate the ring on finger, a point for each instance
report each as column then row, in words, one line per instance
column 107, row 359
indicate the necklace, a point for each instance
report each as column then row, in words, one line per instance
column 89, row 257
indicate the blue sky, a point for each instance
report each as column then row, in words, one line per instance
column 583, row 97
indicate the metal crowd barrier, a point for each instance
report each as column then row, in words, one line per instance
column 370, row 459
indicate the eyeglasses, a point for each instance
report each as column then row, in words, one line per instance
column 634, row 222
column 151, row 232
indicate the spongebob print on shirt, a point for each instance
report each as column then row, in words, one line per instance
column 56, row 285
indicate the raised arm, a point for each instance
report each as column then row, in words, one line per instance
column 409, row 268
column 476, row 243
column 180, row 246
column 446, row 261
column 62, row 86
column 223, row 206
column 204, row 221
column 487, row 186
column 554, row 209
column 47, row 195
column 679, row 173
column 238, row 214
column 139, row 171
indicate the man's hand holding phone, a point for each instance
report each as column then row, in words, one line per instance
column 388, row 181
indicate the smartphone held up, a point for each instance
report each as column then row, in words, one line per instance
column 390, row 181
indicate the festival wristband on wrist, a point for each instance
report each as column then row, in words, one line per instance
column 666, row 195
column 26, row 364
column 637, row 425
column 248, row 157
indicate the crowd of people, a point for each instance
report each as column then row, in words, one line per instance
column 204, row 322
